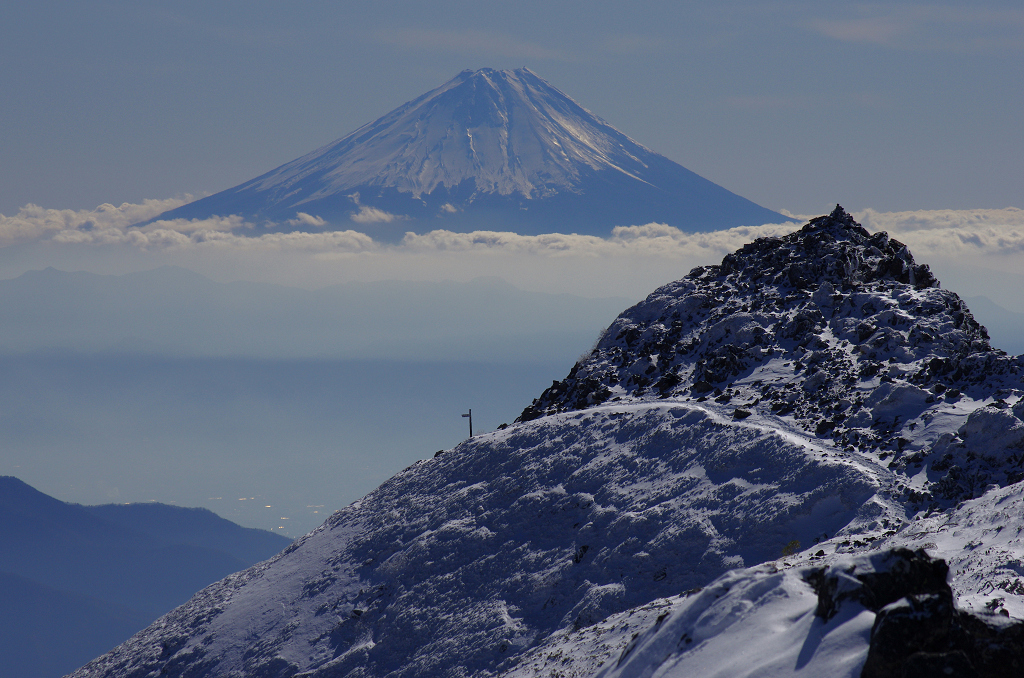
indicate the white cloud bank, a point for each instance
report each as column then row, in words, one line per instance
column 372, row 215
column 952, row 232
column 974, row 249
column 303, row 219
column 108, row 224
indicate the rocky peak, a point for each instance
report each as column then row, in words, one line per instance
column 835, row 328
column 834, row 249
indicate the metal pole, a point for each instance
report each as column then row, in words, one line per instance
column 470, row 415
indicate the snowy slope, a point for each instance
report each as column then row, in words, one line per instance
column 816, row 392
column 488, row 150
column 767, row 620
column 518, row 533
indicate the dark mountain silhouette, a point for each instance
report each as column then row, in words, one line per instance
column 103, row 572
column 48, row 632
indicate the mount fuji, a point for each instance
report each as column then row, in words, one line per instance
column 487, row 150
column 804, row 461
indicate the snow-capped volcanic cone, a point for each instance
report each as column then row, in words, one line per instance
column 713, row 491
column 488, row 150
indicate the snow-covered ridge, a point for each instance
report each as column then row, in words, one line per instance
column 679, row 479
column 462, row 561
column 818, row 613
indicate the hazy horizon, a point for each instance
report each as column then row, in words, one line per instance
column 271, row 406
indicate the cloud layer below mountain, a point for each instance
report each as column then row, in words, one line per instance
column 972, row 251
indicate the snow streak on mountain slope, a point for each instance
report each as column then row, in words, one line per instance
column 509, row 131
column 690, row 443
column 488, row 150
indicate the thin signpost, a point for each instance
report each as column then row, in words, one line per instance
column 470, row 415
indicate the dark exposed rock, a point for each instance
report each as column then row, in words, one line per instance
column 899, row 573
column 720, row 321
column 917, row 630
column 905, row 630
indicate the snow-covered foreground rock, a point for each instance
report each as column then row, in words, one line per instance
column 678, row 505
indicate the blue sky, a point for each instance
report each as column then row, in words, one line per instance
column 795, row 105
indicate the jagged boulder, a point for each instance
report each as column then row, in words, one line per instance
column 918, row 631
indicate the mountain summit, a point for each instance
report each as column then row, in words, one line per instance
column 741, row 479
column 487, row 150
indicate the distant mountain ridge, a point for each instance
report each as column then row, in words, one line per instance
column 488, row 150
column 103, row 572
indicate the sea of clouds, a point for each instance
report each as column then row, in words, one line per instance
column 974, row 252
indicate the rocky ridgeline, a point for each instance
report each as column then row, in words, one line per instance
column 839, row 329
